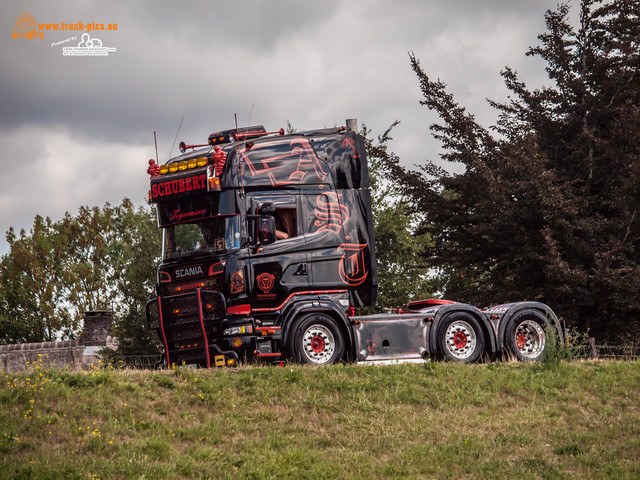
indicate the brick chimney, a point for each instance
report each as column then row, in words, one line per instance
column 97, row 327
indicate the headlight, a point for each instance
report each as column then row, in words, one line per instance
column 239, row 330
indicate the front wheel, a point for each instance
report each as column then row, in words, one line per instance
column 317, row 340
column 526, row 338
column 460, row 338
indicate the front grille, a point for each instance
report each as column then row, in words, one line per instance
column 191, row 286
column 188, row 324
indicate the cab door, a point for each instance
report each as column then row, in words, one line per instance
column 278, row 270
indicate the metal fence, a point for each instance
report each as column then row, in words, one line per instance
column 605, row 351
column 136, row 362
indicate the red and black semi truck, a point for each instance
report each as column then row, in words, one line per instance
column 268, row 249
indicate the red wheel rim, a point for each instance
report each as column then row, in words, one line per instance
column 459, row 340
column 317, row 344
column 530, row 339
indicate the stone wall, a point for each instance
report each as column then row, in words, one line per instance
column 64, row 353
column 81, row 354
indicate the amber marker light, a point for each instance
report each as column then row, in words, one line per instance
column 214, row 184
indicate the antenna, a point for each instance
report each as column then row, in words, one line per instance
column 238, row 152
column 155, row 140
column 250, row 114
column 243, row 225
column 176, row 137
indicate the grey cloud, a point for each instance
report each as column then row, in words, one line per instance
column 313, row 63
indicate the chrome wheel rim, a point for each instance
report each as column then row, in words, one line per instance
column 318, row 344
column 530, row 339
column 460, row 339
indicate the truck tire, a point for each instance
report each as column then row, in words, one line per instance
column 460, row 338
column 316, row 339
column 525, row 336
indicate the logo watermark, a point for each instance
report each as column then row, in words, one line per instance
column 26, row 27
column 66, row 40
column 88, row 47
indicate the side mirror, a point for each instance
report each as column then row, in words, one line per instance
column 267, row 208
column 266, row 234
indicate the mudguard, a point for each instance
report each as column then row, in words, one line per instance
column 328, row 306
column 500, row 315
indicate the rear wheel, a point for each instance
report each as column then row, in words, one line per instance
column 526, row 338
column 317, row 340
column 460, row 338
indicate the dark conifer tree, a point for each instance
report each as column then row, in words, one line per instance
column 548, row 205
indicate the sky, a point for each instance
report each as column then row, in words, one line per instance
column 79, row 130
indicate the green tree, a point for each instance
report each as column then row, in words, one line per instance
column 139, row 255
column 30, row 300
column 102, row 258
column 402, row 272
column 547, row 208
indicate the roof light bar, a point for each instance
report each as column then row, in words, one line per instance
column 244, row 135
column 227, row 136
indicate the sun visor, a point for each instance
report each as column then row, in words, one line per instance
column 194, row 208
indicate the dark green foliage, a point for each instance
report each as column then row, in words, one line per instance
column 547, row 208
column 402, row 271
column 100, row 259
column 27, row 292
column 139, row 259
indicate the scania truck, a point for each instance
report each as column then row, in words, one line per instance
column 267, row 252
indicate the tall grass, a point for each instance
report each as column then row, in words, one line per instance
column 501, row 420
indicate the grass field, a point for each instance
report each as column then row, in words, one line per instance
column 494, row 421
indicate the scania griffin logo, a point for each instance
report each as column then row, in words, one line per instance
column 265, row 282
column 188, row 271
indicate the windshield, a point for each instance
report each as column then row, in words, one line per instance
column 215, row 235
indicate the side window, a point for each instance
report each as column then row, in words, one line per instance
column 283, row 209
column 286, row 222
